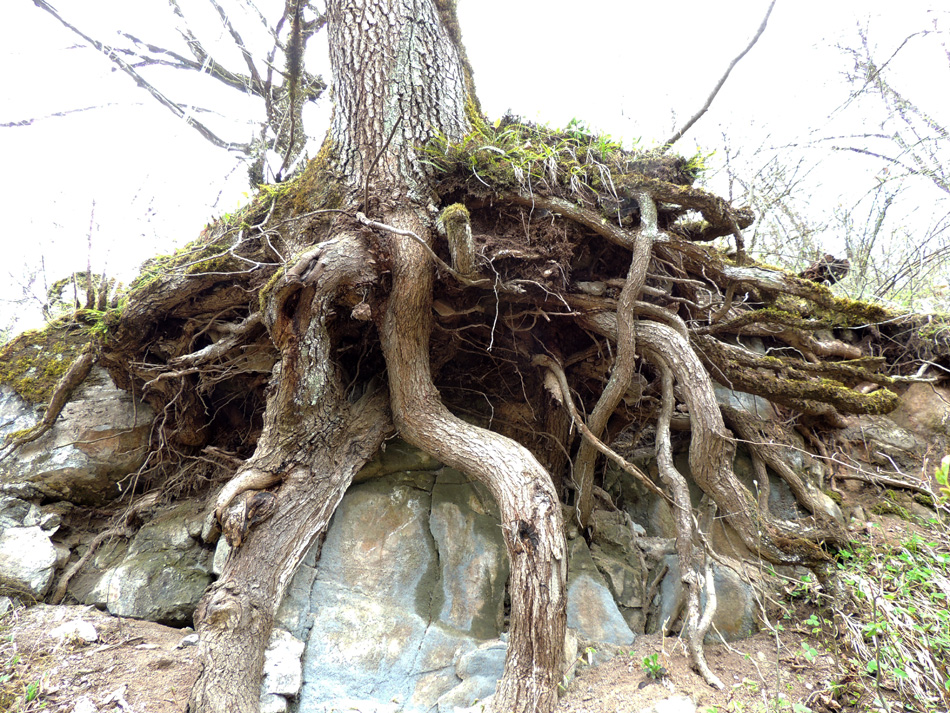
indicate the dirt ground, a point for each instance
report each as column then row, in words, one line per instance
column 757, row 675
column 140, row 666
column 133, row 666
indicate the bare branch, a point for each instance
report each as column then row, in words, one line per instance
column 722, row 80
column 113, row 55
column 57, row 114
column 239, row 41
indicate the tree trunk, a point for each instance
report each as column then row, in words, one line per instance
column 400, row 76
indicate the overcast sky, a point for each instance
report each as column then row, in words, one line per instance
column 632, row 69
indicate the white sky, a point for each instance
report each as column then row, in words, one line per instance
column 632, row 69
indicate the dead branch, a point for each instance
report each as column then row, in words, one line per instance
column 722, row 80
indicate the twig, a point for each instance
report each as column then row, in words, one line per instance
column 372, row 166
column 484, row 282
column 722, row 80
column 568, row 402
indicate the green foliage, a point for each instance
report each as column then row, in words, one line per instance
column 899, row 631
column 652, row 666
column 809, row 652
column 941, row 475
column 805, row 588
column 520, row 156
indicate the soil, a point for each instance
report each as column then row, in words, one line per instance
column 141, row 666
column 757, row 673
column 134, row 666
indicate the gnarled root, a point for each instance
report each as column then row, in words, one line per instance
column 73, row 377
column 687, row 551
column 625, row 363
column 529, row 506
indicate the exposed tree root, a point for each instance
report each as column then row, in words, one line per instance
column 625, row 362
column 766, row 441
column 564, row 396
column 711, row 451
column 529, row 506
column 73, row 377
column 688, row 552
column 314, row 440
column 122, row 529
column 595, row 279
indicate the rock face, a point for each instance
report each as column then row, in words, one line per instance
column 162, row 573
column 402, row 607
column 411, row 578
column 27, row 558
column 100, row 437
column 27, row 555
column 591, row 609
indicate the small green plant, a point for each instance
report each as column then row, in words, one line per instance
column 587, row 656
column 806, row 588
column 32, row 691
column 942, row 475
column 809, row 652
column 653, row 668
column 898, row 629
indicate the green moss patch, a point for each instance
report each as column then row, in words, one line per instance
column 32, row 363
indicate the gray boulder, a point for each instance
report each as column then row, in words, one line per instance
column 591, row 609
column 162, row 574
column 479, row 671
column 283, row 675
column 615, row 552
column 464, row 525
column 100, row 437
column 27, row 560
column 411, row 577
column 887, row 443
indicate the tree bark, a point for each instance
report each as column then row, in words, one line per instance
column 313, row 443
column 401, row 76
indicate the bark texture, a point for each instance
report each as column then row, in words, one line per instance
column 398, row 78
column 313, row 443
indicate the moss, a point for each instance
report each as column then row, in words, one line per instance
column 315, row 188
column 265, row 291
column 925, row 500
column 836, row 497
column 206, row 254
column 455, row 213
column 33, row 363
column 886, row 507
